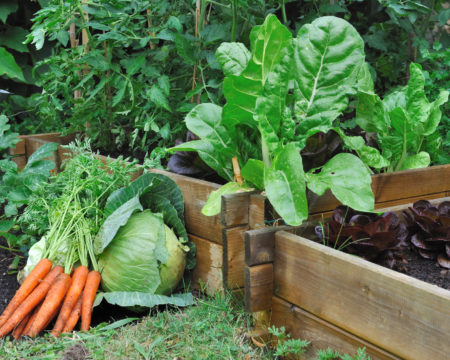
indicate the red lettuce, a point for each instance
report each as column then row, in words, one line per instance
column 429, row 230
column 371, row 236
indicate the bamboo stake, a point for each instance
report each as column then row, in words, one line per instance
column 74, row 44
column 150, row 33
column 196, row 34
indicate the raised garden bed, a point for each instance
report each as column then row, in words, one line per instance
column 339, row 300
column 220, row 239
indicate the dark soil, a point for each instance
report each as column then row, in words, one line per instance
column 8, row 283
column 423, row 269
column 76, row 352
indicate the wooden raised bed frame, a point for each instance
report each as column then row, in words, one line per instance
column 220, row 239
column 341, row 301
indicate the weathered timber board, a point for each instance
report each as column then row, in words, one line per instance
column 257, row 211
column 302, row 325
column 395, row 188
column 233, row 257
column 207, row 275
column 258, row 287
column 396, row 312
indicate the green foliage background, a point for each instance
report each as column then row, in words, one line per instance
column 136, row 80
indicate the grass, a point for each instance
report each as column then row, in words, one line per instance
column 211, row 329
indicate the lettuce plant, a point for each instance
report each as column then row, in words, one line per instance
column 278, row 95
column 371, row 236
column 429, row 228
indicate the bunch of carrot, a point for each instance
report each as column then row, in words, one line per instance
column 47, row 291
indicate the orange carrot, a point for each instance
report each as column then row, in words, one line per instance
column 31, row 301
column 51, row 303
column 74, row 316
column 90, row 289
column 17, row 332
column 78, row 281
column 30, row 322
column 32, row 280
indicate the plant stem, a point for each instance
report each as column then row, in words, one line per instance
column 283, row 12
column 265, row 153
column 233, row 26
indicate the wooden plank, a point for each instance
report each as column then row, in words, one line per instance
column 207, row 275
column 260, row 245
column 195, row 193
column 234, row 209
column 21, row 161
column 19, row 148
column 258, row 287
column 322, row 335
column 395, row 188
column 233, row 257
column 257, row 209
column 396, row 312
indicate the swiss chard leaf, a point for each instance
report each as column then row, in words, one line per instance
column 346, row 176
column 328, row 56
column 285, row 185
column 213, row 204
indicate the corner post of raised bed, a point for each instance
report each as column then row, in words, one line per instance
column 236, row 218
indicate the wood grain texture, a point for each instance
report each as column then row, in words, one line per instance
column 258, row 287
column 260, row 245
column 302, row 325
column 398, row 313
column 257, row 209
column 207, row 275
column 21, row 161
column 234, row 209
column 233, row 257
column 395, row 188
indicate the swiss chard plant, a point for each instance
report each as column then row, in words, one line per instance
column 278, row 95
column 405, row 123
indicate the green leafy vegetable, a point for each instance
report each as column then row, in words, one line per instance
column 285, row 92
column 406, row 124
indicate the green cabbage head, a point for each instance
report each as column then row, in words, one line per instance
column 144, row 256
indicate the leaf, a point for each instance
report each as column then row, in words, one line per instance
column 213, row 204
column 371, row 115
column 6, row 225
column 44, row 151
column 7, row 7
column 120, row 94
column 38, row 36
column 8, row 66
column 328, row 55
column 213, row 33
column 434, row 116
column 7, row 139
column 185, row 49
column 268, row 44
column 417, row 105
column 126, row 299
column 208, row 154
column 116, row 324
column 369, row 155
column 63, row 37
column 164, row 84
column 348, row 179
column 285, row 185
column 159, row 98
column 253, row 172
column 13, row 38
column 417, row 161
column 232, row 58
column 113, row 222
